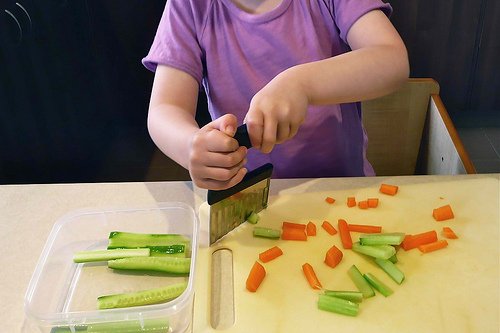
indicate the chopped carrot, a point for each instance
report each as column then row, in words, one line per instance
column 351, row 202
column 366, row 229
column 443, row 213
column 330, row 200
column 363, row 204
column 389, row 189
column 298, row 226
column 237, row 195
column 257, row 274
column 373, row 203
column 333, row 256
column 235, row 224
column 448, row 233
column 329, row 228
column 345, row 235
column 414, row 241
column 270, row 254
column 311, row 229
column 294, row 234
column 433, row 246
column 311, row 276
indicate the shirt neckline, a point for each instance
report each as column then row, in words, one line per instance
column 257, row 18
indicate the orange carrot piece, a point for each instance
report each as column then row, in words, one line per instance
column 345, row 235
column 270, row 254
column 330, row 200
column 366, row 229
column 311, row 276
column 414, row 241
column 311, row 229
column 294, row 234
column 351, row 202
column 433, row 246
column 333, row 256
column 389, row 189
column 363, row 204
column 448, row 233
column 257, row 274
column 298, row 226
column 373, row 203
column 443, row 213
column 329, row 228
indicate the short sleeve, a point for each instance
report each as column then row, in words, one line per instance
column 176, row 43
column 347, row 12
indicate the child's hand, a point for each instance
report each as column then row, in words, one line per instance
column 215, row 158
column 276, row 112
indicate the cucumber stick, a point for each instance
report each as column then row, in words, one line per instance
column 376, row 251
column 391, row 270
column 377, row 284
column 360, row 282
column 159, row 264
column 129, row 239
column 266, row 232
column 145, row 297
column 338, row 305
column 382, row 239
column 105, row 255
column 160, row 325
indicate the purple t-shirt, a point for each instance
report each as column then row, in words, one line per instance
column 234, row 54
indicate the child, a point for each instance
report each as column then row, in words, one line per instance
column 293, row 70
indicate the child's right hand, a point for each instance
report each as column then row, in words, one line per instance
column 215, row 159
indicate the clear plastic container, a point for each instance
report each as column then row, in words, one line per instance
column 64, row 294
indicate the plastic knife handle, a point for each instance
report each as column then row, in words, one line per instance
column 242, row 136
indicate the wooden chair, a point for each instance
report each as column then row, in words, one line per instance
column 410, row 132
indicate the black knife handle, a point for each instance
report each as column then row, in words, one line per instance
column 242, row 136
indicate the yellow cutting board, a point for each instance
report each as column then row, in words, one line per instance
column 451, row 290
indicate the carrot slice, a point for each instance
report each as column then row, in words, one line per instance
column 330, row 200
column 443, row 213
column 345, row 235
column 448, row 233
column 270, row 254
column 311, row 276
column 414, row 241
column 298, row 226
column 389, row 189
column 257, row 274
column 433, row 246
column 373, row 203
column 333, row 256
column 329, row 228
column 311, row 229
column 366, row 229
column 351, row 202
column 294, row 234
column 363, row 204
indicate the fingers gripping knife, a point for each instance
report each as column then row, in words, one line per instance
column 231, row 207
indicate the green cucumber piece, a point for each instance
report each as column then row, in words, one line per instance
column 353, row 296
column 159, row 264
column 360, row 282
column 105, row 255
column 377, row 284
column 145, row 297
column 131, row 326
column 338, row 305
column 253, row 218
column 119, row 239
column 382, row 239
column 175, row 250
column 391, row 270
column 266, row 232
column 376, row 251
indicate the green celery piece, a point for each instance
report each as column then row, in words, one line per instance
column 394, row 259
column 253, row 218
column 377, row 284
column 360, row 282
column 382, row 239
column 391, row 270
column 105, row 255
column 353, row 296
column 131, row 326
column 376, row 251
column 266, row 232
column 338, row 305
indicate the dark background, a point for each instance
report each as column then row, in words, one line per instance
column 74, row 94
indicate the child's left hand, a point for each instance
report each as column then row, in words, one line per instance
column 276, row 111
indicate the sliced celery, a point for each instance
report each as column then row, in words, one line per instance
column 338, row 305
column 360, row 282
column 376, row 251
column 105, row 255
column 382, row 239
column 391, row 270
column 353, row 296
column 253, row 218
column 394, row 259
column 266, row 232
column 377, row 284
